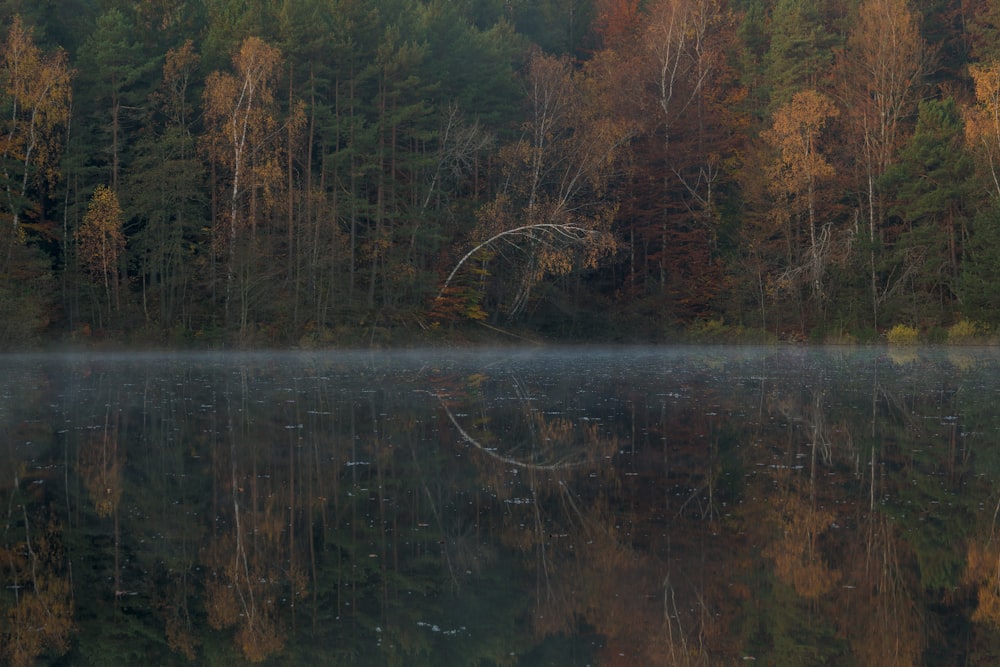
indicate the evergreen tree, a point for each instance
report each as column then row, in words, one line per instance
column 801, row 48
column 115, row 83
column 932, row 186
column 980, row 280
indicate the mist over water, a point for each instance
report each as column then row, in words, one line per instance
column 509, row 506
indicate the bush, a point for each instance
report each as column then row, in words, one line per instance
column 902, row 334
column 965, row 331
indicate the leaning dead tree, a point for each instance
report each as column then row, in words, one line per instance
column 552, row 212
column 555, row 237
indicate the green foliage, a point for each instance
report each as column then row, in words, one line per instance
column 28, row 301
column 933, row 177
column 980, row 281
column 933, row 186
column 558, row 26
column 385, row 139
column 801, row 48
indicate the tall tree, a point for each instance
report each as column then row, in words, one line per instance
column 801, row 47
column 678, row 41
column 241, row 127
column 882, row 67
column 100, row 242
column 932, row 184
column 37, row 97
column 114, row 67
column 983, row 119
column 401, row 113
column 798, row 172
column 980, row 278
column 166, row 194
column 686, row 43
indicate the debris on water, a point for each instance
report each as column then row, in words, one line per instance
column 434, row 627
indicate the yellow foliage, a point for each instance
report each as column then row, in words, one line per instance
column 986, row 78
column 40, row 92
column 259, row 638
column 965, row 331
column 902, row 334
column 100, row 238
column 984, row 572
column 797, row 560
column 982, row 121
column 180, row 638
column 41, row 619
column 795, row 134
column 101, row 469
column 221, row 604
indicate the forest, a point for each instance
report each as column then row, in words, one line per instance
column 310, row 173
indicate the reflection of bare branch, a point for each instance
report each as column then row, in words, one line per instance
column 678, row 648
column 562, row 465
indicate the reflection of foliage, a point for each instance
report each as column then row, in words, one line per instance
column 576, row 520
column 324, row 525
column 881, row 609
column 101, row 468
column 246, row 581
column 181, row 633
column 39, row 608
column 984, row 573
column 789, row 632
column 797, row 556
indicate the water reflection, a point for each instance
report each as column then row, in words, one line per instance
column 680, row 507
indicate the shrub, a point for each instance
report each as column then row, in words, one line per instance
column 902, row 334
column 965, row 331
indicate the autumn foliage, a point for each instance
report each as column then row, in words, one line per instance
column 625, row 169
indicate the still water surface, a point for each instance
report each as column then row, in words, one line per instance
column 637, row 506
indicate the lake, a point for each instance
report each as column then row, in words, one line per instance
column 567, row 506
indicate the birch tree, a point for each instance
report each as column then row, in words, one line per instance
column 36, row 102
column 883, row 64
column 240, row 122
column 100, row 242
column 982, row 126
column 796, row 174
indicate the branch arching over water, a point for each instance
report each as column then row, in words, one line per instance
column 569, row 232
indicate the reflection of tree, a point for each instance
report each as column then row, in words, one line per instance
column 496, row 516
column 585, row 530
column 247, row 559
column 181, row 632
column 799, row 561
column 100, row 467
column 882, row 611
column 38, row 599
column 872, row 597
column 530, row 437
column 244, row 582
column 982, row 573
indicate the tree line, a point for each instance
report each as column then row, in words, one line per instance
column 268, row 172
